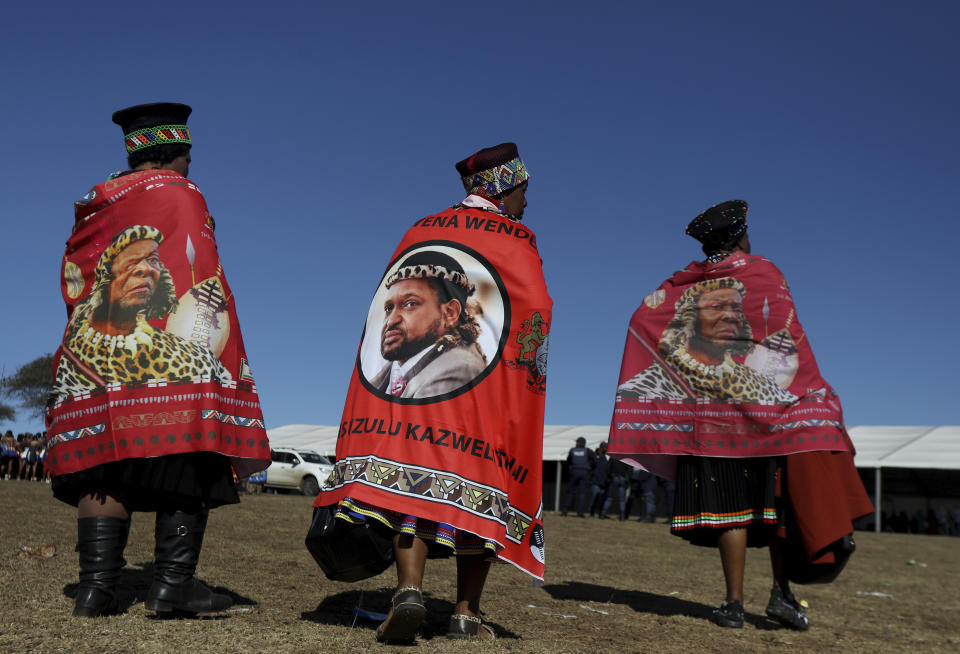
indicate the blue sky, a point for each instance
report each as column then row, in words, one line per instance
column 322, row 131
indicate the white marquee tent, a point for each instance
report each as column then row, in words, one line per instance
column 557, row 439
column 936, row 448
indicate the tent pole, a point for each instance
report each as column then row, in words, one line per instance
column 556, row 492
column 876, row 500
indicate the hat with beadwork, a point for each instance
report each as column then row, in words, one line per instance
column 493, row 171
column 157, row 123
column 721, row 226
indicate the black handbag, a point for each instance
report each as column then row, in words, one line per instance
column 800, row 570
column 346, row 551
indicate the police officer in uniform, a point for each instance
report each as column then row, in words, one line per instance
column 580, row 463
column 599, row 479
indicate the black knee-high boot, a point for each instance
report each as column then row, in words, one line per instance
column 174, row 589
column 100, row 542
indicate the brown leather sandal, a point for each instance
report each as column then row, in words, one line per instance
column 469, row 627
column 406, row 615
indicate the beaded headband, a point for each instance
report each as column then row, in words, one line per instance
column 159, row 135
column 120, row 242
column 692, row 294
column 494, row 181
column 428, row 271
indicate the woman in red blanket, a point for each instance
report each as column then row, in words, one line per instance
column 719, row 389
column 441, row 435
column 153, row 406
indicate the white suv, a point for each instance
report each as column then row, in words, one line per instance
column 302, row 470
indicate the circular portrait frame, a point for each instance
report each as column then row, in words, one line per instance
column 490, row 297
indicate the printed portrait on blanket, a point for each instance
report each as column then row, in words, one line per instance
column 132, row 327
column 709, row 349
column 436, row 327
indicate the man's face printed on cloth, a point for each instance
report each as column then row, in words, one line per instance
column 136, row 272
column 414, row 319
column 721, row 317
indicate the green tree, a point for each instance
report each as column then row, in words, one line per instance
column 7, row 412
column 31, row 385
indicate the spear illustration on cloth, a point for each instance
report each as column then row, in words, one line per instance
column 766, row 317
column 191, row 257
column 663, row 364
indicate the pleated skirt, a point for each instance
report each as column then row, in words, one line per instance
column 443, row 540
column 717, row 494
column 186, row 482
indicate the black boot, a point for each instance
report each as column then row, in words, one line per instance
column 174, row 589
column 100, row 542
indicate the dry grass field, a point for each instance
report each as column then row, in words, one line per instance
column 610, row 587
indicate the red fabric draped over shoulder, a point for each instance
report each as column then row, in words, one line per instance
column 152, row 359
column 458, row 437
column 716, row 363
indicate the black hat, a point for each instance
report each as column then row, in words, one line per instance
column 581, row 440
column 492, row 171
column 721, row 226
column 157, row 123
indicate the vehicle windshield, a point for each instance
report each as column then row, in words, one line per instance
column 311, row 457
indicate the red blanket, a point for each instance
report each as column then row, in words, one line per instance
column 152, row 360
column 827, row 496
column 450, row 428
column 717, row 364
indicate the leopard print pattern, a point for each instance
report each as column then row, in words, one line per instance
column 729, row 380
column 145, row 355
column 651, row 383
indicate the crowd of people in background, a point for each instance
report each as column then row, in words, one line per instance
column 24, row 457
column 937, row 521
column 600, row 483
column 597, row 484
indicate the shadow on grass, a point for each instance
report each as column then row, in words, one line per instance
column 135, row 583
column 643, row 602
column 338, row 609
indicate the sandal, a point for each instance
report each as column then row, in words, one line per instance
column 406, row 615
column 468, row 627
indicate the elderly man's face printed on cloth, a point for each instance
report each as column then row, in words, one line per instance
column 136, row 271
column 414, row 319
column 721, row 317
